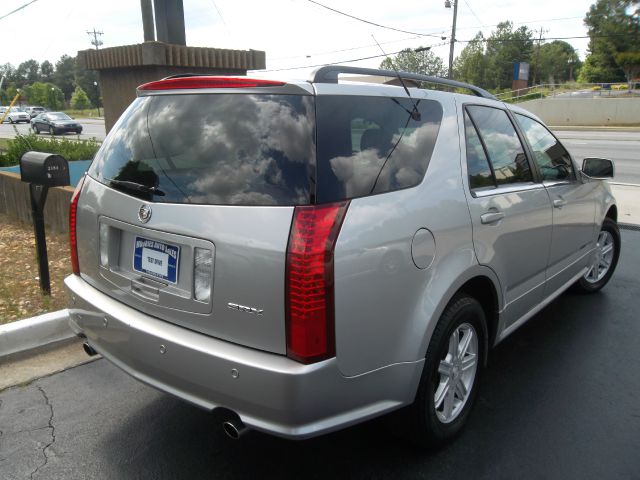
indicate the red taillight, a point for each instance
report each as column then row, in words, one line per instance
column 309, row 281
column 73, row 217
column 208, row 82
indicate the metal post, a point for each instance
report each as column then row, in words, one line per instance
column 38, row 197
column 147, row 20
column 453, row 38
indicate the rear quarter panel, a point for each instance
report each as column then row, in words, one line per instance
column 387, row 308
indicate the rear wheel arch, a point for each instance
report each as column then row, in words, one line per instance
column 612, row 213
column 484, row 291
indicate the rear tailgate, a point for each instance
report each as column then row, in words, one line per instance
column 217, row 176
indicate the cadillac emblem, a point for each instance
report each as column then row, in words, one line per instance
column 144, row 213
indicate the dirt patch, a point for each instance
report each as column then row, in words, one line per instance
column 20, row 294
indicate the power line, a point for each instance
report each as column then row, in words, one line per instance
column 17, row 9
column 348, row 61
column 373, row 23
column 506, row 40
column 474, row 13
column 96, row 42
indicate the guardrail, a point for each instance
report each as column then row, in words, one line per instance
column 547, row 90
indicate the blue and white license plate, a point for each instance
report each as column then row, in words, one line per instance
column 158, row 259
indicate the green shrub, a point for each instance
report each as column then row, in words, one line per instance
column 69, row 149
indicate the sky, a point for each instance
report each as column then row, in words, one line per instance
column 293, row 33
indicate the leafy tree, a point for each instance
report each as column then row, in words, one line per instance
column 504, row 47
column 85, row 79
column 555, row 62
column 422, row 61
column 613, row 28
column 45, row 94
column 46, row 71
column 79, row 99
column 629, row 62
column 27, row 72
column 471, row 65
column 64, row 76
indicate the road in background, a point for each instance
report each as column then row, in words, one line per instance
column 623, row 147
column 91, row 128
column 559, row 400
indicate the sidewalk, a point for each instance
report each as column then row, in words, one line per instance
column 628, row 201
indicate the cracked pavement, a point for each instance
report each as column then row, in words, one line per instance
column 558, row 401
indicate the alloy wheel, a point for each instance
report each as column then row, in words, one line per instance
column 603, row 258
column 457, row 372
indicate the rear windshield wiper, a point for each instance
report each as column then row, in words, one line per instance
column 135, row 187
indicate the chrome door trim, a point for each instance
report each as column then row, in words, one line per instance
column 507, row 189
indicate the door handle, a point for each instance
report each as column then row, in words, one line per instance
column 559, row 203
column 491, row 217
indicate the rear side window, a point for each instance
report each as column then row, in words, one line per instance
column 224, row 149
column 502, row 144
column 551, row 157
column 478, row 168
column 370, row 145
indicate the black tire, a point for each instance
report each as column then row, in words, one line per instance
column 426, row 428
column 11, row 121
column 35, row 129
column 52, row 132
column 585, row 285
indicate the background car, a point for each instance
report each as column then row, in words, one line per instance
column 35, row 111
column 55, row 123
column 16, row 115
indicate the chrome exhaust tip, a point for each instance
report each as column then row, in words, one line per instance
column 88, row 349
column 234, row 428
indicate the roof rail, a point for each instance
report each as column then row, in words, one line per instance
column 329, row 74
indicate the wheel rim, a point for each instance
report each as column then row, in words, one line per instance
column 457, row 371
column 602, row 259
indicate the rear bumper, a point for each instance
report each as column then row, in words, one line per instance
column 270, row 392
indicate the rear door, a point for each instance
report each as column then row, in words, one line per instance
column 510, row 211
column 186, row 211
column 573, row 203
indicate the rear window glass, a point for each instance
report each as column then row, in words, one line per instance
column 369, row 145
column 224, row 149
column 241, row 149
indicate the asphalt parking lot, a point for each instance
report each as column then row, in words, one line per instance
column 559, row 400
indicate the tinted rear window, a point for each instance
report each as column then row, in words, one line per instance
column 369, row 145
column 224, row 149
column 237, row 149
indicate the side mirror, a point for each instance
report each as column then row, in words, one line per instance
column 598, row 168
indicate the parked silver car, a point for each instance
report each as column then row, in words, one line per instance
column 309, row 255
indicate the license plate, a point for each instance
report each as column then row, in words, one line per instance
column 158, row 259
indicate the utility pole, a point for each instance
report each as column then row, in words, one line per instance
column 447, row 4
column 96, row 42
column 535, row 70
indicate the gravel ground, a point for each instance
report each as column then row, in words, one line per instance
column 20, row 295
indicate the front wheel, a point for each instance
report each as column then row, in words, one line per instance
column 35, row 129
column 449, row 383
column 605, row 259
column 52, row 131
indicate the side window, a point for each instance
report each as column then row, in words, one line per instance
column 551, row 157
column 478, row 168
column 503, row 146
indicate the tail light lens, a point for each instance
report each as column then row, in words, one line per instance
column 208, row 82
column 309, row 281
column 73, row 219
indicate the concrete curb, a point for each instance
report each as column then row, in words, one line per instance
column 34, row 332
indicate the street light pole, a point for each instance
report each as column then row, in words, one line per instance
column 447, row 4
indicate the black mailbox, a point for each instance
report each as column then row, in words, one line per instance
column 46, row 169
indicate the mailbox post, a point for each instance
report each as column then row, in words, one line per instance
column 41, row 171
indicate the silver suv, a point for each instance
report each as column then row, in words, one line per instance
column 309, row 255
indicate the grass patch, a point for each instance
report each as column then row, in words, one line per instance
column 20, row 295
column 71, row 149
column 88, row 113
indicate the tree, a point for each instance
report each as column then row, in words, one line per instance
column 471, row 65
column 27, row 73
column 88, row 80
column 79, row 99
column 64, row 76
column 45, row 94
column 629, row 62
column 555, row 62
column 420, row 60
column 46, row 71
column 612, row 30
column 506, row 46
